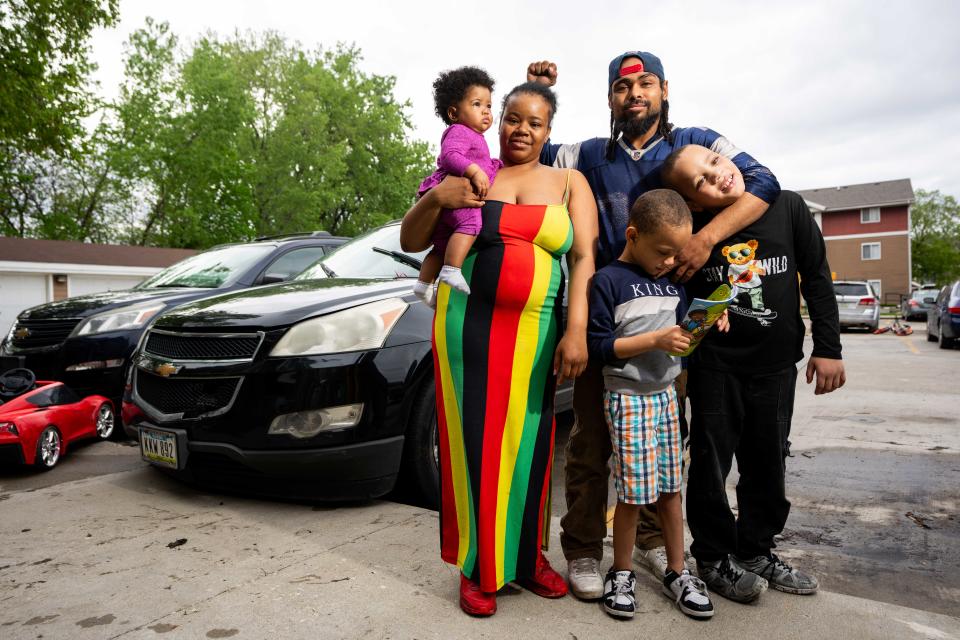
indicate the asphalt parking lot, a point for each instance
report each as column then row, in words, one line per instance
column 105, row 547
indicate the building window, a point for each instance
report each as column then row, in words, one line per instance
column 869, row 250
column 877, row 288
column 870, row 214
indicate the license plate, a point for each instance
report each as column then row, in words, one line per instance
column 159, row 447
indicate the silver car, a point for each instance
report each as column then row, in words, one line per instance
column 858, row 304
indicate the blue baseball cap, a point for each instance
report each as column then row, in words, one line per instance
column 649, row 63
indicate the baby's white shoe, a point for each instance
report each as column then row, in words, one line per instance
column 454, row 277
column 427, row 292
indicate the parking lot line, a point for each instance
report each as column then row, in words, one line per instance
column 907, row 341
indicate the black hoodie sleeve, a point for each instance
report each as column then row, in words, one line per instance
column 816, row 283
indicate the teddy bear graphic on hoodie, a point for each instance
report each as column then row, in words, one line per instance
column 744, row 271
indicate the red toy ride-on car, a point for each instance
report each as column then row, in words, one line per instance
column 39, row 418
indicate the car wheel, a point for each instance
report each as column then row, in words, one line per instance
column 945, row 342
column 420, row 469
column 106, row 421
column 49, row 447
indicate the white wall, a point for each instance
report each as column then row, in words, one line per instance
column 77, row 285
column 19, row 291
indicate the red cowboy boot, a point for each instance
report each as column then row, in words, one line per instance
column 545, row 582
column 474, row 601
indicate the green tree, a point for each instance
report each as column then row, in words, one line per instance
column 935, row 237
column 256, row 136
column 44, row 69
column 228, row 140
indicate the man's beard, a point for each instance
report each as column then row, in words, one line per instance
column 632, row 127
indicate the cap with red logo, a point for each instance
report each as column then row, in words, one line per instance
column 648, row 63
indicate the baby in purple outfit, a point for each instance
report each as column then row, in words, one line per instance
column 462, row 99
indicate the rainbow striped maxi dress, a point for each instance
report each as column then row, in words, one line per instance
column 493, row 356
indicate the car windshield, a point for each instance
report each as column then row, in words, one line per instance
column 920, row 294
column 376, row 254
column 850, row 289
column 211, row 269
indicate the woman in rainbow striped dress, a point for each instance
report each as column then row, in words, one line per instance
column 499, row 353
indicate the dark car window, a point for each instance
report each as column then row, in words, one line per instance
column 849, row 289
column 368, row 256
column 211, row 269
column 54, row 396
column 293, row 263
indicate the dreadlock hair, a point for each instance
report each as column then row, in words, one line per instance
column 533, row 88
column 451, row 86
column 664, row 127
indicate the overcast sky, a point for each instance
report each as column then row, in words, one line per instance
column 823, row 93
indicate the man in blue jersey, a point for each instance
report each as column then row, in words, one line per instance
column 619, row 169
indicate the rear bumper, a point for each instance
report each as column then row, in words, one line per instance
column 951, row 326
column 859, row 317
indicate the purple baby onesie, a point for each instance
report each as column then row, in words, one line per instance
column 460, row 146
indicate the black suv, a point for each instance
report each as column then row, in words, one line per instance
column 86, row 341
column 304, row 390
column 320, row 388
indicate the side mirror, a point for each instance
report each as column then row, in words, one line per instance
column 273, row 278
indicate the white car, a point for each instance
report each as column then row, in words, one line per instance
column 857, row 303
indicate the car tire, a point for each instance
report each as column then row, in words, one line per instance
column 49, row 448
column 106, row 421
column 944, row 342
column 420, row 468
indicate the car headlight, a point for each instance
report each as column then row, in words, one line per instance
column 356, row 329
column 117, row 320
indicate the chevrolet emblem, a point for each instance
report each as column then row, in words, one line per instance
column 22, row 333
column 166, row 369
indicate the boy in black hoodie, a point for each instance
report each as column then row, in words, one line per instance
column 742, row 383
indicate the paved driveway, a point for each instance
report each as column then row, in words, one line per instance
column 105, row 547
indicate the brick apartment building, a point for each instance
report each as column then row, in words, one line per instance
column 867, row 231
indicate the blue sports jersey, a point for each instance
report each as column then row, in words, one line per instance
column 618, row 183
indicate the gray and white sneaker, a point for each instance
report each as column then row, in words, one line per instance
column 689, row 593
column 653, row 560
column 780, row 575
column 619, row 593
column 730, row 581
column 584, row 577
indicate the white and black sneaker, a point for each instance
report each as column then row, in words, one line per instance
column 689, row 592
column 619, row 593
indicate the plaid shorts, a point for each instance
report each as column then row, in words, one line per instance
column 645, row 432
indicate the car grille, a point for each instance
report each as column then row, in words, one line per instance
column 43, row 333
column 241, row 346
column 192, row 397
